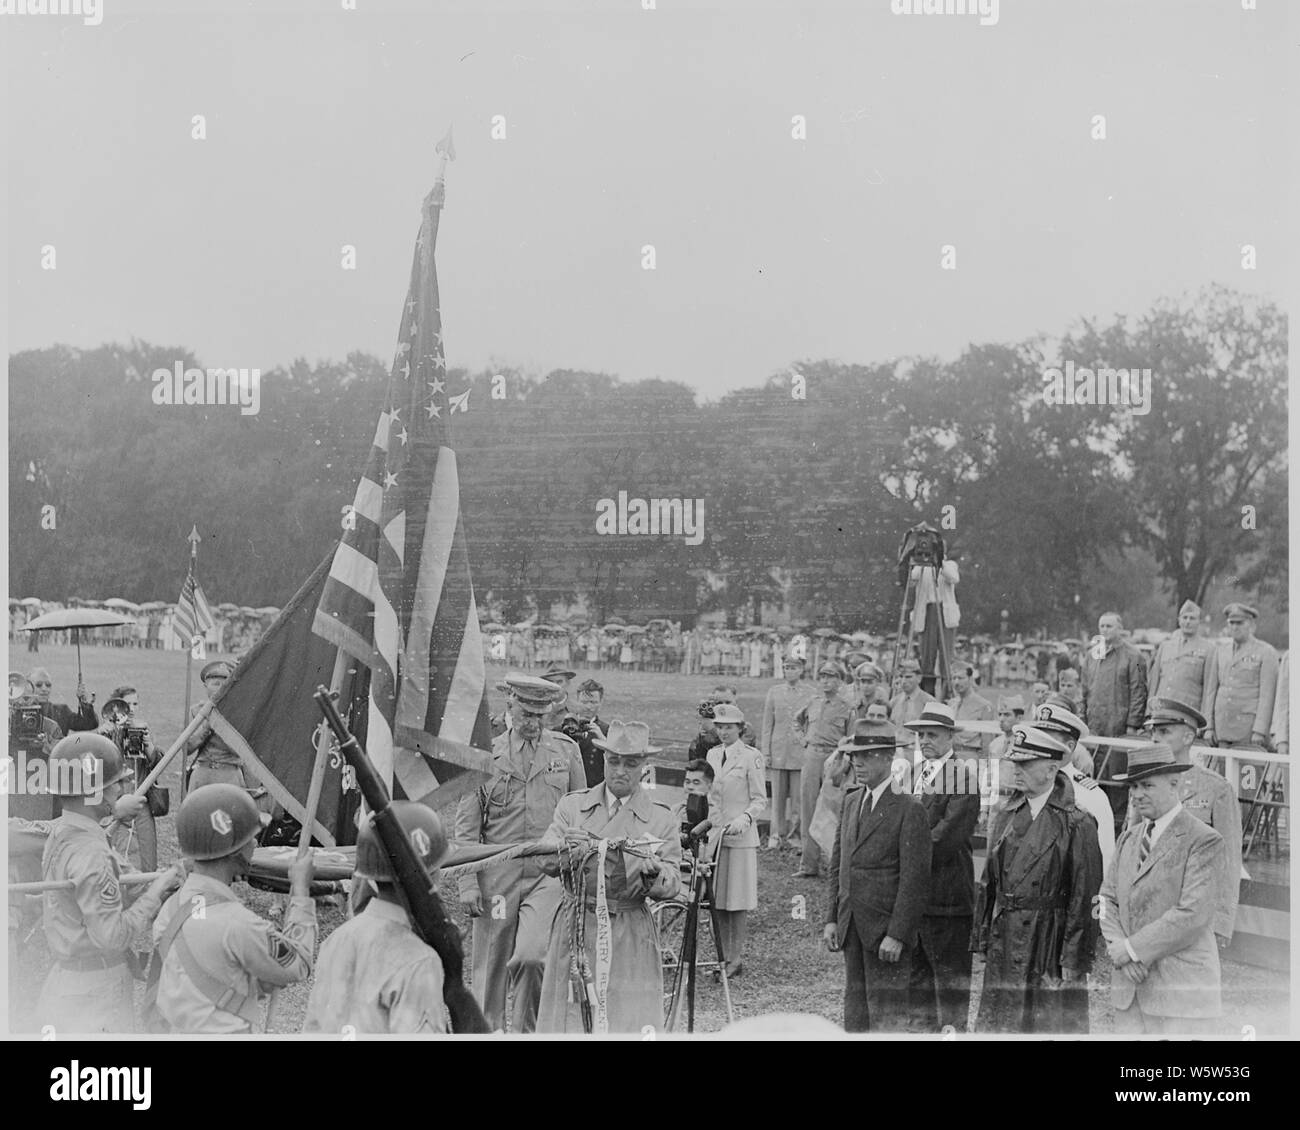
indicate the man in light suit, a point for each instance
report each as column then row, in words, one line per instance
column 881, row 870
column 1157, row 906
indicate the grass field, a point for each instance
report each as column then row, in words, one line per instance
column 786, row 969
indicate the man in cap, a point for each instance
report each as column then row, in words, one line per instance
column 1062, row 723
column 781, row 745
column 968, row 704
column 513, row 904
column 911, row 699
column 1205, row 795
column 880, row 885
column 216, row 957
column 60, row 713
column 1183, row 666
column 375, row 974
column 88, row 929
column 615, row 826
column 1034, row 923
column 1158, row 905
column 1247, row 678
column 561, row 677
column 214, row 762
column 869, row 686
column 822, row 722
column 946, row 782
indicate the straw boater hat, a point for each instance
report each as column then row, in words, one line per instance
column 1150, row 760
column 627, row 739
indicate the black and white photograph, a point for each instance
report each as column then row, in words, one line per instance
column 650, row 520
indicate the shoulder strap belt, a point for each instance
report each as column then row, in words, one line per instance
column 220, row 995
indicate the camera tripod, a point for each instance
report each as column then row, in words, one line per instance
column 903, row 646
column 678, row 926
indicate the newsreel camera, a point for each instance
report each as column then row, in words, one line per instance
column 922, row 545
column 25, row 728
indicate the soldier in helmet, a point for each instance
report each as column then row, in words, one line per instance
column 513, row 905
column 88, row 929
column 217, row 956
column 375, row 973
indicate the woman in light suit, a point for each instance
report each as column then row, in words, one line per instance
column 737, row 799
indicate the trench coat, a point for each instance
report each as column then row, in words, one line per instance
column 1115, row 691
column 635, row 996
column 1034, row 916
column 1165, row 908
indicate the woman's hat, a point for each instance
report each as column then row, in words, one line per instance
column 728, row 712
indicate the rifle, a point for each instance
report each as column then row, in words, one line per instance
column 427, row 915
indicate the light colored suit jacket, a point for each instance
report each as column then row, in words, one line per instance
column 1165, row 909
column 739, row 786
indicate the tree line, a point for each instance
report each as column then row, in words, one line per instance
column 808, row 480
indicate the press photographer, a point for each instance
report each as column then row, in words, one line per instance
column 923, row 563
column 31, row 735
column 584, row 727
column 63, row 716
column 131, row 736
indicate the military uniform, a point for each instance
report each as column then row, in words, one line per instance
column 824, row 722
column 376, row 975
column 1088, row 795
column 975, row 708
column 224, row 957
column 89, row 932
column 214, row 762
column 1186, row 670
column 1247, row 677
column 519, row 901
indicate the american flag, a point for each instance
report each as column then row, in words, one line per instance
column 193, row 617
column 399, row 596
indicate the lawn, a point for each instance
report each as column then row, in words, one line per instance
column 786, row 970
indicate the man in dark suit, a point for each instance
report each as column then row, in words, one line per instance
column 62, row 715
column 1158, row 906
column 948, row 788
column 881, row 868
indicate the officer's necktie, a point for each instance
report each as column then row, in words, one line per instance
column 614, row 806
column 1145, row 848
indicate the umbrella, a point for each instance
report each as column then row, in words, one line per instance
column 495, row 627
column 76, row 618
column 153, row 605
column 227, row 606
column 117, row 602
column 267, row 610
column 824, row 632
column 30, row 602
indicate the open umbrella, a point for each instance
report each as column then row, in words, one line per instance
column 119, row 605
column 76, row 618
column 30, row 602
column 153, row 605
column 267, row 610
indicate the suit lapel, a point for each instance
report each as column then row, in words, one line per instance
column 1162, row 847
column 874, row 818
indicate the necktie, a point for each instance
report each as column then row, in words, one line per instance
column 1145, row 849
column 615, row 805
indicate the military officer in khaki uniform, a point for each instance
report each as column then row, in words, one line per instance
column 375, row 974
column 1204, row 794
column 89, row 931
column 218, row 957
column 911, row 699
column 513, row 905
column 1183, row 667
column 781, row 745
column 1247, row 675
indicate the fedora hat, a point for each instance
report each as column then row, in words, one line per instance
column 628, row 739
column 869, row 737
column 934, row 715
column 1150, row 760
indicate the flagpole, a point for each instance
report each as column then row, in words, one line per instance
column 194, row 540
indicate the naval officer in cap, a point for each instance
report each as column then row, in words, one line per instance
column 1204, row 794
column 1034, row 921
column 1065, row 725
column 514, row 904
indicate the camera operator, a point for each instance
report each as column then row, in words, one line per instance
column 692, row 814
column 32, row 733
column 131, row 736
column 584, row 726
column 922, row 557
column 63, row 716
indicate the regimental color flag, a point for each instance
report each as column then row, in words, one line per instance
column 399, row 596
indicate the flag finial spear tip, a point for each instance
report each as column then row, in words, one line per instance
column 446, row 151
column 194, row 535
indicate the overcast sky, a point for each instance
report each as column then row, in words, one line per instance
column 628, row 127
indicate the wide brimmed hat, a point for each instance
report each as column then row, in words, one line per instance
column 870, row 737
column 934, row 715
column 1165, row 710
column 1029, row 743
column 1149, row 761
column 728, row 712
column 627, row 739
